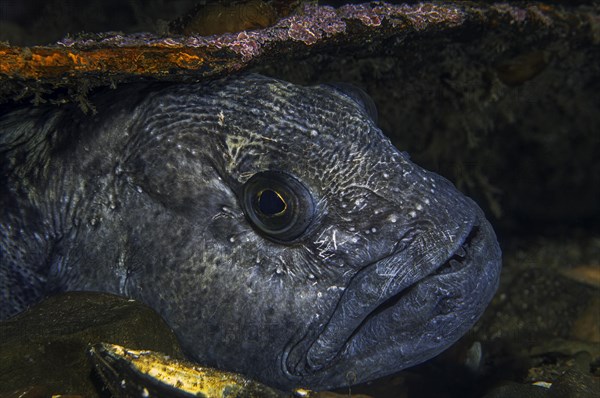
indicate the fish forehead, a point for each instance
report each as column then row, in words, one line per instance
column 367, row 192
column 254, row 123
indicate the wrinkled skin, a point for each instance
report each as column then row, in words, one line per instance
column 144, row 199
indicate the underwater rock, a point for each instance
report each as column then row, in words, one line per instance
column 521, row 68
column 47, row 345
column 218, row 18
column 110, row 58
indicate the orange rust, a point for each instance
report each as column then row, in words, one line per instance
column 187, row 61
column 77, row 59
column 49, row 62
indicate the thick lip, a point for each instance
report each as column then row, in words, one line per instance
column 375, row 292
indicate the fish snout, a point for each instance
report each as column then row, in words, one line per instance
column 409, row 305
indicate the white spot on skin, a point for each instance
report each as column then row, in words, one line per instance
column 145, row 393
column 314, row 133
column 386, row 175
column 426, row 201
column 412, row 213
column 334, row 241
column 373, row 229
column 232, row 239
column 221, row 118
column 419, row 207
column 393, row 218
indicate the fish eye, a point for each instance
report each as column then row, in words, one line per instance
column 277, row 205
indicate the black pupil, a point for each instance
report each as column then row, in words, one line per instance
column 269, row 203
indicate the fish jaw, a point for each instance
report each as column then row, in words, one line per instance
column 383, row 324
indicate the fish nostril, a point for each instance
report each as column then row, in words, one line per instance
column 446, row 304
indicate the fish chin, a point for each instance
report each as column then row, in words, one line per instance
column 411, row 318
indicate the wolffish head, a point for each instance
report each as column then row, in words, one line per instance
column 283, row 236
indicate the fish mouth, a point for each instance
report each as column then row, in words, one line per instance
column 392, row 316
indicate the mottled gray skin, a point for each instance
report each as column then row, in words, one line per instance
column 142, row 199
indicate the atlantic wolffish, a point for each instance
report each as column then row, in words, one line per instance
column 273, row 226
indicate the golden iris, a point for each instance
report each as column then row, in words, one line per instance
column 278, row 205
